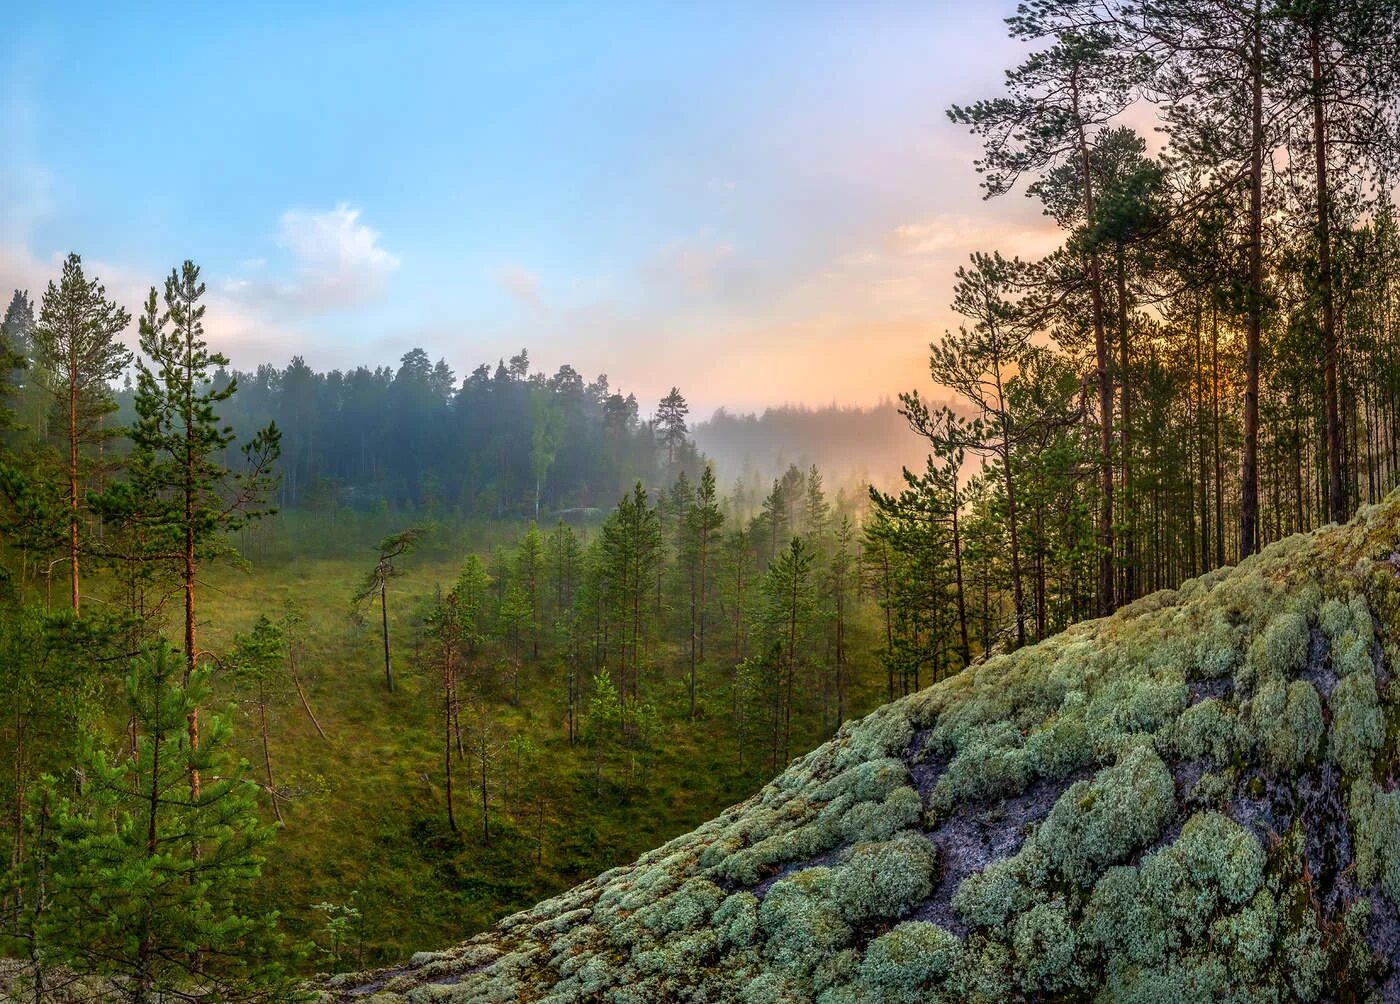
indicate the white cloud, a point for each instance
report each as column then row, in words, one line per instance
column 693, row 265
column 520, row 283
column 338, row 263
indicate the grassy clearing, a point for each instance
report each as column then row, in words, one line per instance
column 365, row 824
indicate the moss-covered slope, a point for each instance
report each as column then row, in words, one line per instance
column 1192, row 800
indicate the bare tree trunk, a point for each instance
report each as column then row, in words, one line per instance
column 1105, row 382
column 1336, row 492
column 1249, row 461
column 384, row 626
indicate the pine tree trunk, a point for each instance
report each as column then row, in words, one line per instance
column 1249, row 461
column 1105, row 380
column 384, row 631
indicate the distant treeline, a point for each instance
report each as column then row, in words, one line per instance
column 500, row 442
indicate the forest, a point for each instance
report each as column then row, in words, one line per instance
column 309, row 670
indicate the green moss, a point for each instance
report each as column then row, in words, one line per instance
column 1281, row 649
column 991, row 763
column 883, row 880
column 989, row 898
column 1097, row 824
column 865, row 821
column 1219, row 856
column 1349, row 630
column 1063, row 744
column 801, row 920
column 1285, row 724
column 736, row 920
column 1375, row 820
column 683, row 910
column 1121, row 922
column 903, row 965
column 1358, row 729
column 1045, row 942
column 1206, row 731
column 1248, row 935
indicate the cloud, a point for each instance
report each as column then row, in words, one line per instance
column 229, row 326
column 520, row 283
column 693, row 265
column 338, row 263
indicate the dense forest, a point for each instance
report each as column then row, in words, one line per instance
column 481, row 637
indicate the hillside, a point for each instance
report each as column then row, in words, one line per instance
column 1193, row 799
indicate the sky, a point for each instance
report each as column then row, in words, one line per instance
column 761, row 203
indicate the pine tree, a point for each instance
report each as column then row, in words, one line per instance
column 529, row 574
column 258, row 659
column 701, row 529
column 1056, row 100
column 376, row 584
column 75, row 343
column 788, row 592
column 670, row 419
column 632, row 549
column 182, row 499
column 150, row 881
column 448, row 633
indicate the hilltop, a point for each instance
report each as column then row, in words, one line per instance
column 1192, row 799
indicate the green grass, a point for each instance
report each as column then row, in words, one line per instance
column 366, row 817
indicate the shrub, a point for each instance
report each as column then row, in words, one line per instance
column 1097, row 824
column 1357, row 726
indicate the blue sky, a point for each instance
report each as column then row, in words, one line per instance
column 761, row 203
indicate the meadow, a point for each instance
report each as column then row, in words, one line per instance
column 365, row 863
